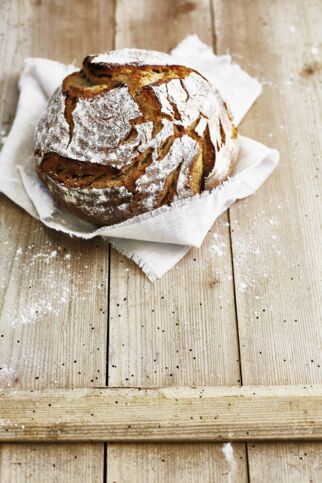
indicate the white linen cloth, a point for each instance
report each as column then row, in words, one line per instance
column 156, row 241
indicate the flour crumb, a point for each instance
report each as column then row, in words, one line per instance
column 228, row 451
column 51, row 255
column 242, row 286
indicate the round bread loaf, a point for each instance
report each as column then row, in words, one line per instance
column 130, row 132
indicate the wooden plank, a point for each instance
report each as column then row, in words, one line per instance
column 189, row 463
column 288, row 463
column 181, row 329
column 168, row 414
column 53, row 289
column 276, row 233
column 51, row 464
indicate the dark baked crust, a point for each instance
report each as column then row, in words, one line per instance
column 108, row 192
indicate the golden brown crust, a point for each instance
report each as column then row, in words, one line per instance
column 171, row 166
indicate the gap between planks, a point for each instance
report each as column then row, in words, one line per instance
column 186, row 414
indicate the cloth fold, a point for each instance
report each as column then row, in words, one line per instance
column 156, row 241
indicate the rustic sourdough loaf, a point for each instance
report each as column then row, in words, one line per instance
column 130, row 132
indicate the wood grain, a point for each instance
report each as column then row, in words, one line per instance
column 180, row 330
column 277, row 291
column 189, row 463
column 276, row 233
column 50, row 335
column 47, row 463
column 166, row 414
column 289, row 463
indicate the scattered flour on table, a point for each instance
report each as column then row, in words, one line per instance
column 242, row 286
column 30, row 314
column 228, row 451
column 4, row 422
column 55, row 295
column 7, row 377
column 251, row 262
column 249, row 258
column 46, row 256
column 219, row 245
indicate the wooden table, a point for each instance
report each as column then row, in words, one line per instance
column 77, row 314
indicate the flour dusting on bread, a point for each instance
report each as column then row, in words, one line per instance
column 130, row 132
column 134, row 57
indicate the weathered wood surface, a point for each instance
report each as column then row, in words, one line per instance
column 153, row 327
column 50, row 335
column 166, row 414
column 276, row 234
column 181, row 330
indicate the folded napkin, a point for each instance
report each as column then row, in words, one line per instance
column 157, row 240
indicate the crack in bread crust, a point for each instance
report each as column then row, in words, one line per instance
column 124, row 136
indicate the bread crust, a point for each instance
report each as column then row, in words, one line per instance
column 130, row 132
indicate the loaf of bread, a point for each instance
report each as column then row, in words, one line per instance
column 130, row 132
